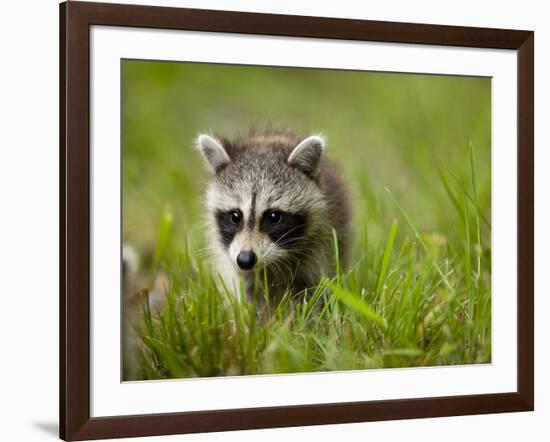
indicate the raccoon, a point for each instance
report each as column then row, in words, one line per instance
column 272, row 204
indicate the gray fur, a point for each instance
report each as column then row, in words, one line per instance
column 275, row 169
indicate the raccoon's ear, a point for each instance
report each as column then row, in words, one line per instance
column 213, row 152
column 306, row 156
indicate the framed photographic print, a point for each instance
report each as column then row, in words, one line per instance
column 272, row 220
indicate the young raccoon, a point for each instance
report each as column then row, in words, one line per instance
column 272, row 203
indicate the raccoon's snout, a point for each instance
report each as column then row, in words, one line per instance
column 246, row 260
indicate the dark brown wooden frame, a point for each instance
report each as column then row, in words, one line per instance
column 75, row 21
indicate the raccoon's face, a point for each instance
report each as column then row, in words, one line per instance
column 264, row 204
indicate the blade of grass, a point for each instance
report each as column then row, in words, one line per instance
column 357, row 304
column 386, row 257
column 163, row 238
column 468, row 276
column 478, row 229
column 450, row 193
column 173, row 364
column 459, row 184
column 337, row 256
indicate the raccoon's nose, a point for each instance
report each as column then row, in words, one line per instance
column 246, row 260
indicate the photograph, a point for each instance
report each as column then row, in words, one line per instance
column 280, row 220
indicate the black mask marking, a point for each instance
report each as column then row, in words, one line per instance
column 285, row 229
column 227, row 227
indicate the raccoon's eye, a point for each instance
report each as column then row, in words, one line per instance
column 275, row 217
column 235, row 217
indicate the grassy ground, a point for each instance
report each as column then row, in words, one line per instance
column 416, row 152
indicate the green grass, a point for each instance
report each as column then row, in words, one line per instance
column 416, row 152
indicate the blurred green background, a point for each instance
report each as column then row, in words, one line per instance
column 384, row 129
